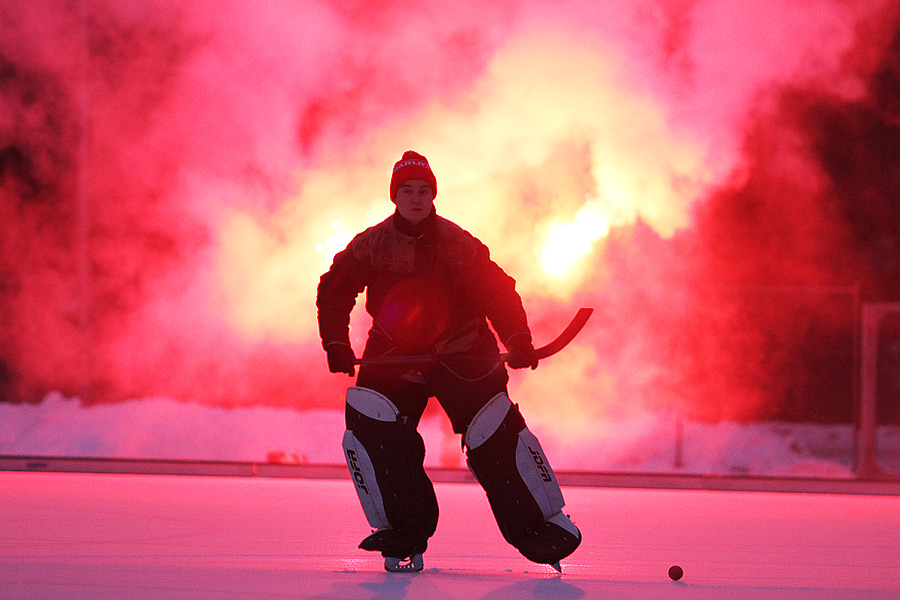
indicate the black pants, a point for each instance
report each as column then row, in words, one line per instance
column 462, row 389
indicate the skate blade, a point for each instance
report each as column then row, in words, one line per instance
column 557, row 566
column 412, row 564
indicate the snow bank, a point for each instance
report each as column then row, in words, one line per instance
column 159, row 428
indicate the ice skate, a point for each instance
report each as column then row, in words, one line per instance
column 552, row 541
column 410, row 564
column 402, row 550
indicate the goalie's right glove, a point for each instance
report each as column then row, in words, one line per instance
column 522, row 354
column 341, row 359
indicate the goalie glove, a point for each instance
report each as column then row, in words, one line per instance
column 522, row 354
column 341, row 359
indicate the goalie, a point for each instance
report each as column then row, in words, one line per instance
column 430, row 289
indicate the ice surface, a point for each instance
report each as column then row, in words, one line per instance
column 103, row 537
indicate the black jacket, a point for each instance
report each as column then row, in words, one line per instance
column 429, row 289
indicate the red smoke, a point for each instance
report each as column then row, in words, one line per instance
column 175, row 179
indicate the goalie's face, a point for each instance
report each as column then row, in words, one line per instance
column 414, row 200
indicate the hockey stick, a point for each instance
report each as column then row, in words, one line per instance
column 562, row 340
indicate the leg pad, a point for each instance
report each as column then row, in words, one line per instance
column 509, row 463
column 385, row 457
column 372, row 412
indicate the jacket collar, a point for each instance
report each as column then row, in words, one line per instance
column 417, row 230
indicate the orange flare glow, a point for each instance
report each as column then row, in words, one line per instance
column 566, row 243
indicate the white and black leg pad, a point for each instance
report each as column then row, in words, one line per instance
column 385, row 457
column 511, row 466
column 368, row 405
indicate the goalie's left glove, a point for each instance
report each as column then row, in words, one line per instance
column 522, row 354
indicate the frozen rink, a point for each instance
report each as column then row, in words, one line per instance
column 110, row 536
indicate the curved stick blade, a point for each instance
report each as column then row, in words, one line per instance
column 568, row 334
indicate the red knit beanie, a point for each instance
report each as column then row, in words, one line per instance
column 412, row 166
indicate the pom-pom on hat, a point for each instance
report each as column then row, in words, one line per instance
column 412, row 166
